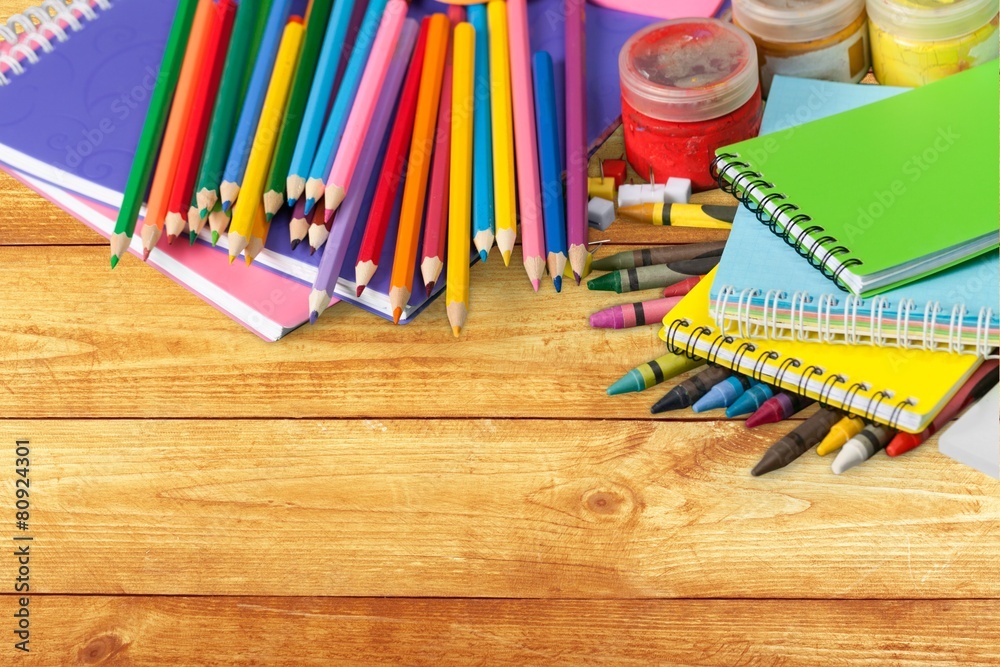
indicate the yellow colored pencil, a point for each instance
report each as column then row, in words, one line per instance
column 259, row 164
column 504, row 173
column 258, row 236
column 460, row 203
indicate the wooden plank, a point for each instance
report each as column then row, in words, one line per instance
column 324, row 631
column 489, row 508
column 28, row 219
column 81, row 340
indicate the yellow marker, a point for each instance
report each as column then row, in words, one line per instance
column 505, row 190
column 601, row 187
column 839, row 434
column 460, row 204
column 706, row 216
column 259, row 165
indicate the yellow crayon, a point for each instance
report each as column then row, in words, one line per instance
column 707, row 216
column 839, row 434
column 460, row 203
column 504, row 188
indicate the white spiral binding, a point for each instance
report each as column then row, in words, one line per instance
column 839, row 321
column 35, row 23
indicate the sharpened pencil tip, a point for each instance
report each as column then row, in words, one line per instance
column 483, row 255
column 114, row 261
column 310, row 203
column 269, row 216
column 226, row 205
column 171, row 238
column 557, row 281
column 313, row 317
column 430, row 289
column 232, row 258
column 249, row 260
column 396, row 314
column 535, row 284
column 295, row 243
column 192, row 237
column 215, row 239
column 145, row 254
column 577, row 277
column 506, row 258
column 312, row 251
column 457, row 331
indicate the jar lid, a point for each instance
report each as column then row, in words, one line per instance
column 932, row 19
column 688, row 70
column 796, row 20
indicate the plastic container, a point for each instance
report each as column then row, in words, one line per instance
column 689, row 86
column 814, row 39
column 919, row 41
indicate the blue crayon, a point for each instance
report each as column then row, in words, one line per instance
column 752, row 398
column 724, row 394
column 483, row 206
column 550, row 166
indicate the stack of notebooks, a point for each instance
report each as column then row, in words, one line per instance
column 862, row 270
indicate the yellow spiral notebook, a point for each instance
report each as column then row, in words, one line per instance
column 904, row 388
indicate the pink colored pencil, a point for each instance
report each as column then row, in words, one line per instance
column 634, row 314
column 526, row 143
column 576, row 136
column 369, row 91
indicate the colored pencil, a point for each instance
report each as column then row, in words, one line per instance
column 364, row 185
column 177, row 126
column 262, row 148
column 525, row 143
column 319, row 99
column 319, row 172
column 152, row 129
column 253, row 103
column 369, row 90
column 460, row 207
column 316, row 21
column 258, row 236
column 576, row 136
column 393, row 167
column 204, row 98
column 415, row 188
column 483, row 210
column 504, row 183
column 550, row 164
column 232, row 89
column 298, row 227
column 218, row 222
column 436, row 226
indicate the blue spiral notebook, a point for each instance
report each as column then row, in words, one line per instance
column 957, row 309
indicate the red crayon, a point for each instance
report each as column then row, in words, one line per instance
column 683, row 287
column 634, row 314
column 778, row 408
column 984, row 379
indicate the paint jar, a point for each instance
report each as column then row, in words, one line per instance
column 919, row 41
column 689, row 87
column 813, row 39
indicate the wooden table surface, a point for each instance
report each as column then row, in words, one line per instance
column 360, row 492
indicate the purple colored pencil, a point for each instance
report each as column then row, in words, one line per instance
column 634, row 314
column 576, row 137
column 350, row 210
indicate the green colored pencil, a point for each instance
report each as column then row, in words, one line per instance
column 232, row 88
column 319, row 16
column 152, row 130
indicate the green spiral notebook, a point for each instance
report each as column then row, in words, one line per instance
column 884, row 194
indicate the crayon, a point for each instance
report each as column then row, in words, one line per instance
column 750, row 401
column 633, row 314
column 653, row 373
column 981, row 381
column 707, row 216
column 778, row 408
column 796, row 443
column 841, row 432
column 683, row 287
column 724, row 394
column 631, row 259
column 652, row 277
column 688, row 392
column 862, row 447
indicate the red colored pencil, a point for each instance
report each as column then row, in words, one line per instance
column 393, row 169
column 220, row 31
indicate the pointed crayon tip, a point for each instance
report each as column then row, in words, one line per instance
column 457, row 331
column 557, row 281
column 295, row 243
column 535, row 284
column 114, row 261
column 310, row 203
column 313, row 317
column 226, row 205
column 506, row 258
column 622, row 386
column 396, row 314
column 483, row 255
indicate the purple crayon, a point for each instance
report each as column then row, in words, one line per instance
column 634, row 314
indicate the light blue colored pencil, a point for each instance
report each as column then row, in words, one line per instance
column 253, row 102
column 332, row 134
column 550, row 165
column 319, row 98
column 483, row 211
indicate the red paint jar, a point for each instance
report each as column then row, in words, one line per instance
column 689, row 87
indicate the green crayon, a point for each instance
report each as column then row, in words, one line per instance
column 652, row 277
column 666, row 254
column 653, row 373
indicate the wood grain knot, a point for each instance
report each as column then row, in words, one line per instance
column 100, row 649
column 613, row 503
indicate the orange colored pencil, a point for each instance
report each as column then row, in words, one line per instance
column 220, row 30
column 177, row 126
column 415, row 191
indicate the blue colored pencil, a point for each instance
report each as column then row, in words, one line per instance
column 253, row 102
column 483, row 211
column 332, row 134
column 319, row 99
column 550, row 165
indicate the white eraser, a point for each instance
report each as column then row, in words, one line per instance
column 677, row 191
column 600, row 213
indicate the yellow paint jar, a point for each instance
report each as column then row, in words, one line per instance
column 814, row 39
column 919, row 41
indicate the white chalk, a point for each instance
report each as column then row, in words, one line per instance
column 600, row 213
column 677, row 191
